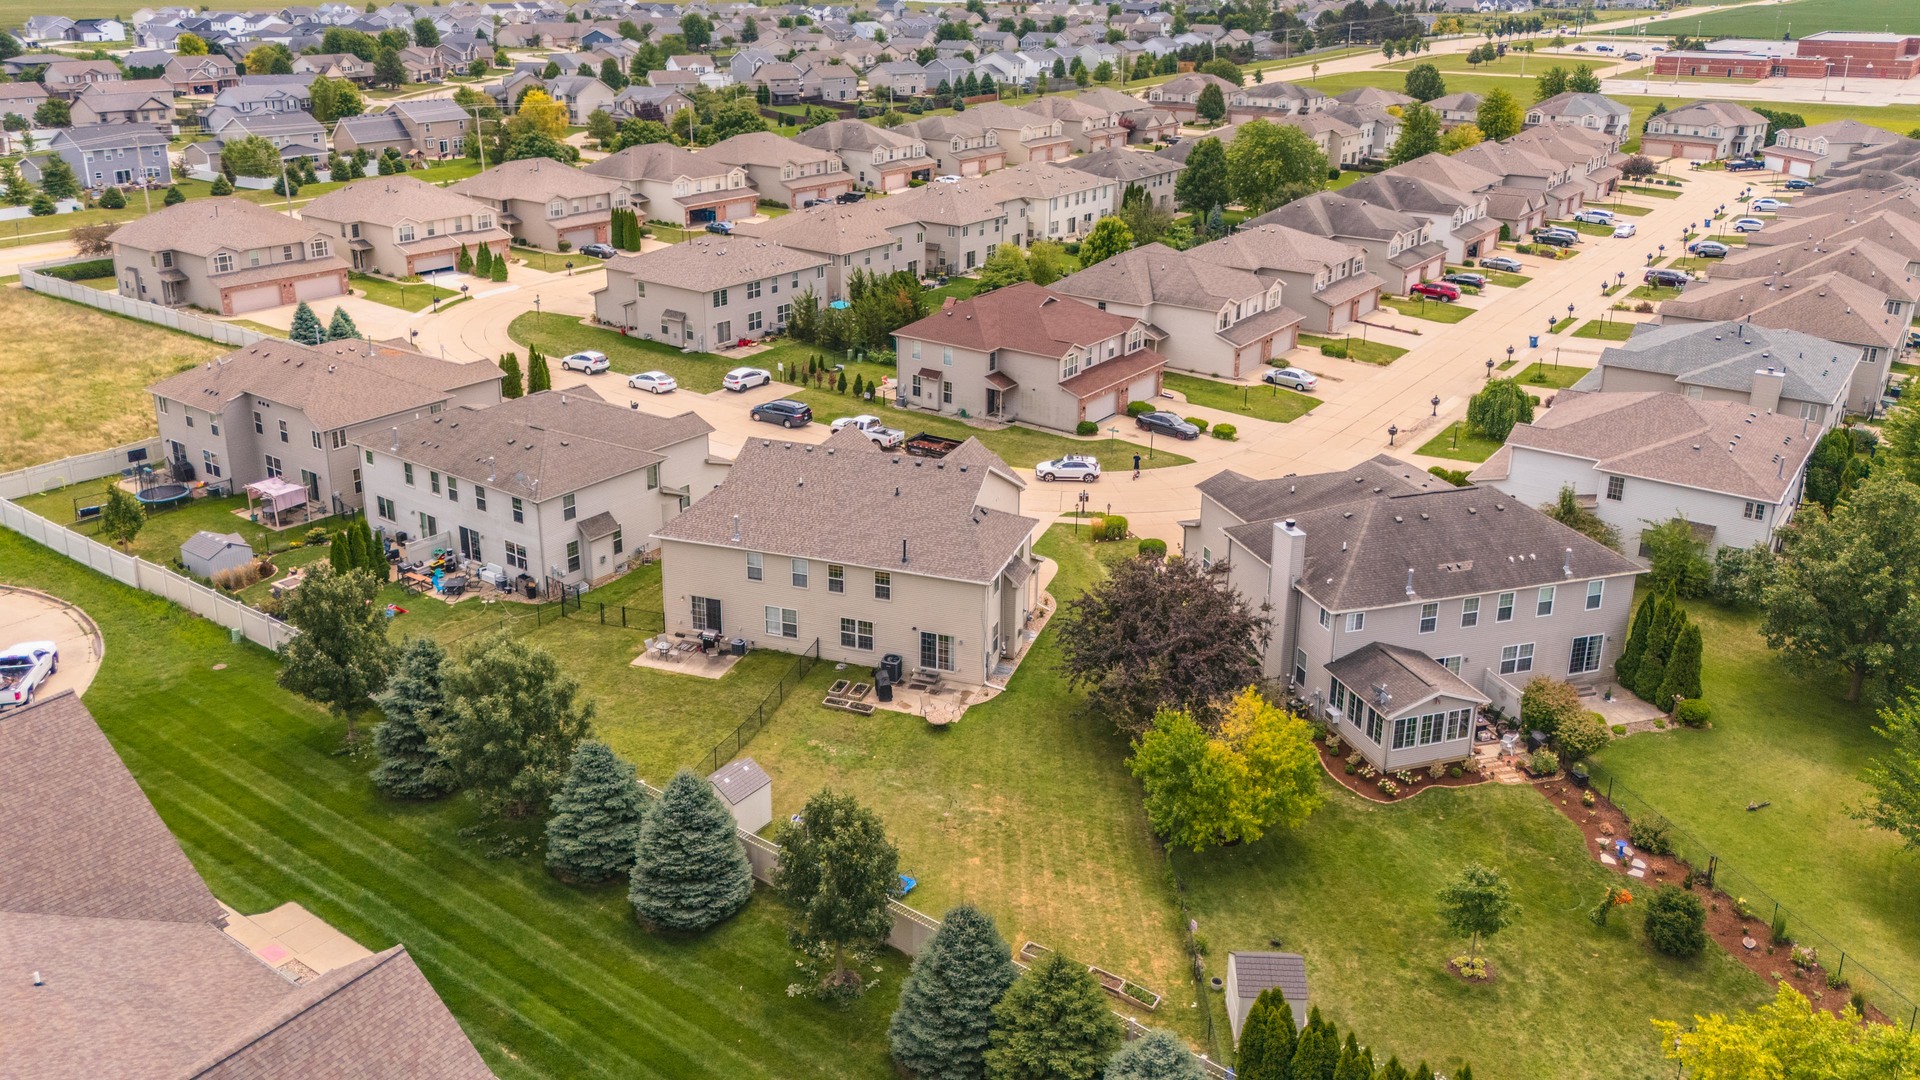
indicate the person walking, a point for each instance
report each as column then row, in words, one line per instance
column 1136, row 466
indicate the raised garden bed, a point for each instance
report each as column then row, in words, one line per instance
column 1119, row 986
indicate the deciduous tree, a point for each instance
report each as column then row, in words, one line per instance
column 1788, row 1037
column 1423, row 83
column 513, row 719
column 1498, row 407
column 1006, row 266
column 57, row 180
column 1582, row 80
column 251, row 155
column 1461, row 137
column 1419, row 134
column 1053, row 1024
column 1109, row 237
column 388, row 69
column 1551, row 83
column 1894, row 776
column 1211, row 105
column 190, row 45
column 1566, row 510
column 1478, row 904
column 415, row 706
column 596, row 816
column 1677, row 559
column 1271, row 164
column 341, row 656
column 1500, row 116
column 123, row 516
column 1259, row 773
column 941, row 1029
column 836, row 876
column 1202, row 185
column 690, row 870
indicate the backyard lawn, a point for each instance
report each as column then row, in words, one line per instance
column 405, row 295
column 1264, row 402
column 1459, row 444
column 547, row 980
column 76, row 377
column 1363, row 351
column 960, row 288
column 1021, row 447
column 1430, row 310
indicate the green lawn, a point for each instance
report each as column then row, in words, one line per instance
column 1514, row 63
column 1022, row 447
column 1265, row 402
column 1551, row 376
column 1783, row 734
column 1605, row 331
column 1365, row 352
column 559, row 335
column 554, row 262
column 1494, row 277
column 1588, row 227
column 160, row 539
column 1771, row 20
column 1656, row 192
column 1430, row 310
column 1354, row 891
column 1652, row 292
column 960, row 288
column 1560, row 324
column 1459, row 444
column 547, row 980
column 405, row 295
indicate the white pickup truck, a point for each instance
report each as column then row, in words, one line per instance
column 881, row 435
column 23, row 668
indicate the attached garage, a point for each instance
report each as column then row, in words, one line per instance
column 427, row 264
column 252, row 298
column 581, row 237
column 319, row 288
column 1102, row 406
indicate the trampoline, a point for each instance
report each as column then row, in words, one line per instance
column 163, row 495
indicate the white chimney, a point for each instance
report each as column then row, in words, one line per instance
column 1764, row 394
column 1287, row 563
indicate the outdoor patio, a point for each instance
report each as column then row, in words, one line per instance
column 682, row 656
column 293, row 941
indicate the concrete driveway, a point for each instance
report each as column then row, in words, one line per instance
column 27, row 615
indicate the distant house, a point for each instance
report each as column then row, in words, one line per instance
column 547, row 203
column 1766, row 370
column 67, row 78
column 434, row 128
column 103, row 104
column 678, row 186
column 1811, row 151
column 1705, row 131
column 582, row 95
column 1091, row 128
column 961, row 146
column 1152, row 174
column 400, row 226
column 107, row 155
column 335, row 66
column 708, row 292
column 228, row 256
column 296, row 135
column 1180, row 94
column 1399, row 246
column 1593, row 112
column 201, row 75
column 643, row 102
column 1249, row 974
column 1028, row 136
column 877, row 158
column 788, row 172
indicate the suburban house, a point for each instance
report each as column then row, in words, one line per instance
column 1151, row 173
column 962, row 147
column 708, row 292
column 183, row 985
column 940, row 546
column 1203, row 316
column 22, row 99
column 641, row 102
column 788, row 172
column 1593, row 112
column 1179, row 94
column 1327, row 281
column 1053, row 202
column 678, row 186
column 295, row 134
column 1400, row 604
column 399, row 226
column 228, row 256
column 1880, row 268
column 1377, row 130
column 1518, row 210
column 875, row 237
column 582, row 95
column 1091, row 128
column 335, row 66
column 1811, row 151
column 1274, row 100
column 877, row 158
column 1026, row 353
column 963, row 221
column 285, row 410
column 70, row 78
column 1399, row 245
column 264, row 94
column 1456, row 109
column 546, row 203
column 1459, row 219
column 1142, row 122
column 1024, row 135
column 1705, row 131
column 1639, row 459
column 201, row 76
column 433, row 128
column 899, row 78
column 559, row 487
column 107, row 155
column 1766, row 370
column 112, row 103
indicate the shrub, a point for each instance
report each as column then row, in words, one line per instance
column 235, row 578
column 1389, row 788
column 1471, row 967
column 1780, row 928
column 1549, row 704
column 1139, row 408
column 1086, row 427
column 1649, row 834
column 1588, row 798
column 1456, row 477
column 1676, row 922
column 1113, row 527
column 1197, row 422
column 1806, row 957
column 112, row 199
column 1455, row 771
column 1436, row 771
column 1335, row 349
column 1225, row 431
column 1153, row 548
column 77, row 271
column 1694, row 712
column 1544, row 763
column 1836, row 981
column 316, row 535
column 1351, row 769
column 1582, row 736
column 1619, row 729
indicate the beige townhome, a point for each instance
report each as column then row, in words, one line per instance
column 678, row 186
column 228, row 256
column 874, row 237
column 1025, row 136
column 709, row 291
column 1203, row 316
column 559, row 487
column 546, row 203
column 398, row 226
column 1026, row 353
column 962, row 147
column 867, row 553
column 1090, row 127
column 1767, row 371
column 877, row 158
column 1400, row 604
column 284, row 410
column 788, row 172
column 1054, row 202
column 963, row 222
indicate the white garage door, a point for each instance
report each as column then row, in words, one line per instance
column 1106, row 405
column 317, row 288
column 254, row 299
column 579, row 238
column 426, row 264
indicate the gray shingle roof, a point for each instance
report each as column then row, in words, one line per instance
column 388, row 200
column 1725, row 355
column 1862, row 260
column 380, row 127
column 706, row 263
column 539, row 179
column 738, row 780
column 660, row 161
column 204, row 226
column 1124, row 165
column 1257, row 971
column 205, row 545
column 1157, row 274
column 1330, row 214
column 763, row 148
column 1830, row 305
column 1410, row 677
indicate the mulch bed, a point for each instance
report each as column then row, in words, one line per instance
column 1490, row 976
column 1369, row 789
column 1605, row 821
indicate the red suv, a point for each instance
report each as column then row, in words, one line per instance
column 1435, row 290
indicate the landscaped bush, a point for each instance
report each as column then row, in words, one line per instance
column 235, row 578
column 1225, row 431
column 1549, row 704
column 1582, row 736
column 91, row 268
column 315, row 535
column 1693, row 712
column 1335, row 349
column 1153, row 548
column 1456, row 477
column 1544, row 763
column 1455, row 771
column 1649, row 834
column 1086, row 427
column 1676, row 922
column 1779, row 935
column 1112, row 527
column 1198, row 422
column 1139, row 408
column 1619, row 729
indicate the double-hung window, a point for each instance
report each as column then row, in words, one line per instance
column 519, row 510
column 480, row 499
column 1596, row 591
column 573, row 556
column 1429, row 618
column 782, row 622
column 1470, row 612
column 836, row 578
column 799, row 572
column 1503, row 611
column 567, row 509
column 756, row 569
column 856, row 634
column 883, row 584
column 1543, row 603
column 1515, row 659
column 1356, row 621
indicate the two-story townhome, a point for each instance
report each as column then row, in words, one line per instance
column 962, row 147
column 1274, row 99
column 1593, row 112
column 1152, row 174
column 1143, row 123
column 872, row 237
column 788, row 172
column 296, row 135
column 962, row 222
column 1026, row 353
column 1456, row 109
column 1811, row 151
column 1765, row 370
column 22, row 99
column 262, row 94
column 1518, row 210
column 558, row 487
column 1456, row 219
column 936, row 569
column 288, row 411
column 1637, row 460
column 1327, row 281
column 1091, row 128
column 433, row 128
column 547, row 204
column 678, row 186
column 1375, row 130
column 1705, row 131
column 1024, row 135
column 829, row 80
column 1399, row 246
column 1179, row 94
column 1865, row 261
column 1053, row 202
column 1592, row 158
column 1399, row 604
column 335, row 66
column 1203, row 316
column 582, row 95
column 228, row 256
column 897, row 78
column 69, row 78
column 146, row 101
column 399, row 226
column 641, row 102
column 877, row 158
column 107, row 155
column 1519, row 167
column 708, row 292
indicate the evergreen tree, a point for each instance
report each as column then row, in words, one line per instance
column 1652, row 670
column 1636, row 646
column 940, row 1031
column 375, row 551
column 174, row 196
column 463, row 262
column 1683, row 668
column 340, row 552
column 57, row 179
column 499, row 269
column 1356, row 1062
column 415, row 705
column 690, row 870
column 596, row 816
column 112, row 199
column 512, row 383
column 539, row 377
column 306, row 326
column 1316, row 1055
column 341, row 327
column 483, row 261
column 222, row 186
column 1053, row 1024
column 1393, row 1070
column 1268, row 1039
column 1158, row 1056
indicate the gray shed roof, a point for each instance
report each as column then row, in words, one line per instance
column 207, row 545
column 1257, row 971
column 738, row 780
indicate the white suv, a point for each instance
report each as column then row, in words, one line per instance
column 746, row 378
column 589, row 361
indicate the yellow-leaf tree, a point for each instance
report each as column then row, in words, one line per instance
column 1790, row 1038
column 1257, row 774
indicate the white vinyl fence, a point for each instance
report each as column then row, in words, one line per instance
column 172, row 318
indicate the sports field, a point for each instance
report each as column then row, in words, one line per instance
column 1799, row 17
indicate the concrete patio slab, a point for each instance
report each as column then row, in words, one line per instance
column 293, row 940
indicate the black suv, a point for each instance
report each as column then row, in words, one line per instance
column 1668, row 279
column 850, row 197
column 786, row 412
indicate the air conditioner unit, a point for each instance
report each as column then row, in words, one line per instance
column 1334, row 716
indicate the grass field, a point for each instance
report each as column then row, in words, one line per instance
column 1551, row 376
column 1494, row 277
column 1266, row 402
column 1459, row 444
column 1430, row 310
column 1771, row 21
column 547, row 980
column 76, row 377
column 1365, row 352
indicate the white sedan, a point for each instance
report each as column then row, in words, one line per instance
column 1766, row 206
column 1292, row 378
column 742, row 379
column 589, row 361
column 1072, row 467
column 653, row 382
column 1624, row 230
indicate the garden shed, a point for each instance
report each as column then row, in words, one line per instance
column 748, row 792
column 207, row 553
column 1248, row 973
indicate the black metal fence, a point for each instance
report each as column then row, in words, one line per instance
column 1845, row 968
column 724, row 750
column 631, row 618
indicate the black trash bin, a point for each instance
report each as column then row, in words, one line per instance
column 882, row 684
column 894, row 664
column 739, row 646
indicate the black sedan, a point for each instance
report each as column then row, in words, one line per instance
column 1166, row 423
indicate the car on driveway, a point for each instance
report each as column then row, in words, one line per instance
column 1466, row 277
column 1765, row 205
column 786, row 412
column 589, row 361
column 724, row 228
column 1166, row 423
column 653, row 382
column 1744, row 165
column 23, row 668
column 746, row 378
column 1797, row 184
column 1748, row 224
column 1292, row 378
column 1668, row 279
column 1501, row 262
column 1435, row 290
column 1709, row 249
column 1624, row 230
column 1594, row 216
column 878, row 433
column 599, row 251
column 1569, row 235
column 1079, row 467
column 850, row 197
column 947, row 178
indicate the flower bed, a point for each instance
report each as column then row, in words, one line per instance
column 1371, row 784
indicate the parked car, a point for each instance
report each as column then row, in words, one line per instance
column 1436, row 290
column 1624, row 230
column 1636, row 56
column 1501, row 262
column 786, row 412
column 599, row 251
column 23, row 668
column 1079, row 467
column 879, row 434
column 653, row 382
column 1466, row 277
column 1656, row 48
column 850, row 196
column 589, row 361
column 1292, row 378
column 1556, row 230
column 947, row 178
column 1766, row 205
column 745, row 378
column 1913, row 339
column 724, row 228
column 1555, row 239
column 1709, row 249
column 1748, row 224
column 1668, row 279
column 1593, row 215
column 1797, row 184
column 1167, row 423
column 1744, row 165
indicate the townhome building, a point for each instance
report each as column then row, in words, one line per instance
column 639, row 101
column 1053, row 202
column 1091, row 128
column 1594, row 158
column 1026, row 353
column 1025, row 136
column 548, row 204
column 69, row 78
column 938, row 573
column 22, row 99
column 228, row 256
column 708, row 292
column 962, row 221
column 335, row 66
column 872, row 237
column 1519, row 167
column 400, row 226
column 1144, row 123
column 1203, row 316
column 1764, row 369
column 1705, row 131
column 1518, row 210
column 898, row 78
column 1155, row 176
column 583, row 95
column 1400, row 246
column 433, row 128
column 1458, row 219
column 147, row 101
column 1811, row 151
column 1400, row 604
column 106, row 155
column 1273, row 100
column 263, row 94
column 1326, row 280
column 1592, row 112
column 1865, row 261
column 1179, row 94
column 559, row 488
column 829, row 80
column 1377, row 129
column 1343, row 144
column 678, row 186
column 877, row 158
column 788, row 172
column 962, row 147
column 279, row 409
column 1637, row 460
column 1457, row 109
column 296, row 135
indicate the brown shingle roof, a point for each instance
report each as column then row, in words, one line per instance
column 1410, row 677
column 1155, row 273
column 1024, row 317
column 705, row 263
column 1830, row 305
column 389, row 200
column 335, row 384
column 535, row 178
column 204, row 226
